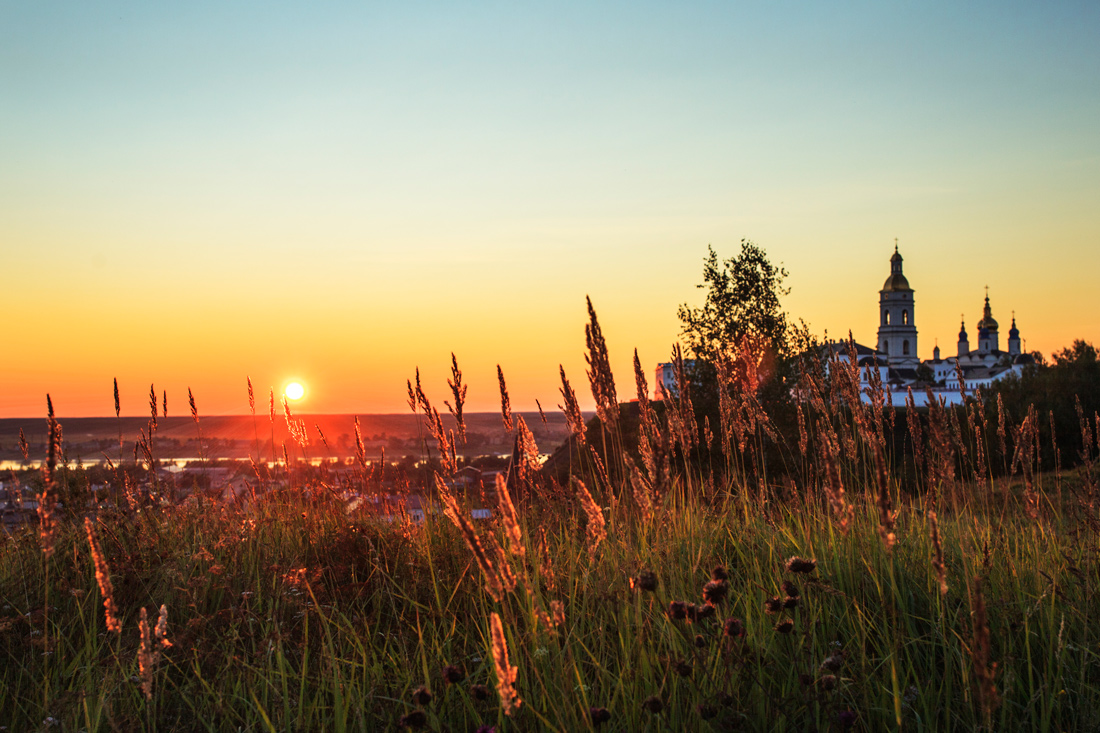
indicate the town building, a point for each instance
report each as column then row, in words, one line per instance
column 899, row 366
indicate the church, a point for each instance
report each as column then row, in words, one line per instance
column 899, row 365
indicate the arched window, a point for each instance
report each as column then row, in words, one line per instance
column 905, row 318
column 905, row 347
column 886, row 317
column 886, row 347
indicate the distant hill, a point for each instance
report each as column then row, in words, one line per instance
column 237, row 436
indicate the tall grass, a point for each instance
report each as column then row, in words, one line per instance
column 652, row 593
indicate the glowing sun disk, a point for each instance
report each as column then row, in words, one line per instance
column 294, row 391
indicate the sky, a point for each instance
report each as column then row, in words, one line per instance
column 192, row 194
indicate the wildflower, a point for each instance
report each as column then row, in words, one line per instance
column 700, row 641
column 453, row 674
column 647, row 580
column 421, row 696
column 700, row 613
column 415, row 719
column 706, row 711
column 846, row 719
column 833, row 662
column 790, row 602
column 785, row 626
column 800, row 565
column 733, row 628
column 479, row 692
column 653, row 704
column 719, row 573
column 827, row 682
column 773, row 605
column 714, row 592
column 599, row 715
column 677, row 610
column 789, row 588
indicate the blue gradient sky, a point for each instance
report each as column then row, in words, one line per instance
column 339, row 193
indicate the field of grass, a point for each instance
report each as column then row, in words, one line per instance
column 648, row 594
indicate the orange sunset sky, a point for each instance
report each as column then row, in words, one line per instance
column 195, row 193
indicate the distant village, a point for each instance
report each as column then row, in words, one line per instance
column 382, row 485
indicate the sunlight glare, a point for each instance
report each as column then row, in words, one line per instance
column 294, row 391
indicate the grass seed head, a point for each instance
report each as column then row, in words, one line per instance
column 506, row 674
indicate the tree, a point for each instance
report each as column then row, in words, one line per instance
column 744, row 348
column 742, row 301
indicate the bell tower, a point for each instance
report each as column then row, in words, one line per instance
column 897, row 334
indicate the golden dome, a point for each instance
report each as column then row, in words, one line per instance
column 896, row 283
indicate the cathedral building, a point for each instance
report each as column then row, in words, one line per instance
column 899, row 365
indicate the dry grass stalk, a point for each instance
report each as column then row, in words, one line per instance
column 572, row 409
column 643, row 493
column 152, row 409
column 557, row 612
column 360, row 452
column 599, row 372
column 498, row 581
column 24, row 447
column 542, row 415
column 148, row 652
column 510, row 519
column 271, row 404
column 596, row 528
column 458, row 389
column 1026, row 438
column 510, row 701
column 887, row 515
column 324, row 441
column 251, row 397
column 915, row 432
column 118, row 404
column 834, row 488
column 164, row 404
column 961, row 378
column 803, row 437
column 103, row 578
column 505, row 403
column 528, row 449
column 195, row 410
column 980, row 651
column 681, row 413
column 47, row 522
column 651, row 441
column 937, row 551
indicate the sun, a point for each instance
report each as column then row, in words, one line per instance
column 294, row 391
